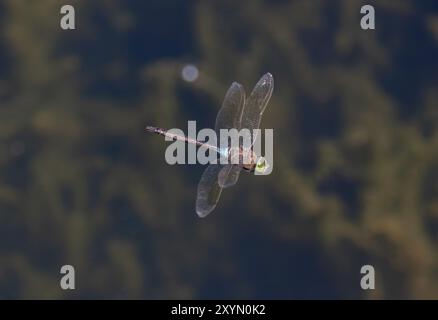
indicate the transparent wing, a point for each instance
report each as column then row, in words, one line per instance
column 229, row 117
column 209, row 190
column 257, row 102
column 229, row 175
column 230, row 114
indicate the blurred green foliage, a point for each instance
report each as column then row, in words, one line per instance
column 356, row 150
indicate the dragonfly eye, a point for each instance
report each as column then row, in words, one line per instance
column 261, row 165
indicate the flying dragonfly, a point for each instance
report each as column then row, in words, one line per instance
column 237, row 112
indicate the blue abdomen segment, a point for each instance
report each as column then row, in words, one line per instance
column 223, row 152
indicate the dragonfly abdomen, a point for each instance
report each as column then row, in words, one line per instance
column 173, row 136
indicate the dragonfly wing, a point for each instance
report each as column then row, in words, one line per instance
column 209, row 190
column 257, row 102
column 229, row 175
column 230, row 114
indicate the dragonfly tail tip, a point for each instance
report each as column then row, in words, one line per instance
column 149, row 128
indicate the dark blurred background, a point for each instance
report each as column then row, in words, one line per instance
column 355, row 150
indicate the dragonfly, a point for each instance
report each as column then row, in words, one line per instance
column 237, row 112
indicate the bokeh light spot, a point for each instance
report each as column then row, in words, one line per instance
column 190, row 73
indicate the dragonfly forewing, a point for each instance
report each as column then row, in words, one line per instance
column 257, row 102
column 230, row 117
column 230, row 114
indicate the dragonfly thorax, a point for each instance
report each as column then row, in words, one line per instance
column 244, row 157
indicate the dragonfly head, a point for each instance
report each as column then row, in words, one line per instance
column 261, row 166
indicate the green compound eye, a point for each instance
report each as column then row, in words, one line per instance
column 261, row 164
